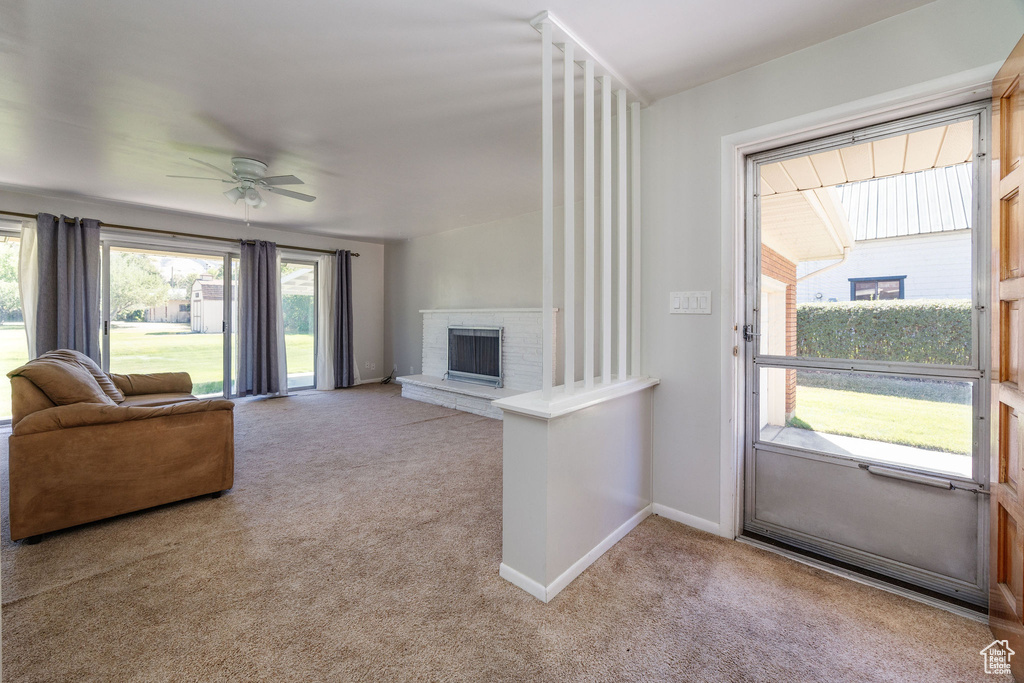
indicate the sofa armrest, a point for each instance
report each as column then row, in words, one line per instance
column 155, row 383
column 86, row 414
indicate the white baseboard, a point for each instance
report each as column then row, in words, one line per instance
column 545, row 594
column 369, row 381
column 581, row 564
column 687, row 519
column 522, row 581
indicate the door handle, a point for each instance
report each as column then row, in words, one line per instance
column 923, row 479
column 749, row 334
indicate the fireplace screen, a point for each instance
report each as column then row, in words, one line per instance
column 474, row 354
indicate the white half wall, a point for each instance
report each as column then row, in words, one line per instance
column 684, row 193
column 573, row 484
column 367, row 270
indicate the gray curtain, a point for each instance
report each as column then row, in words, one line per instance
column 258, row 302
column 68, row 313
column 344, row 362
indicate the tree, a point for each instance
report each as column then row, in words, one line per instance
column 185, row 282
column 135, row 283
column 10, row 297
column 10, row 301
column 9, row 262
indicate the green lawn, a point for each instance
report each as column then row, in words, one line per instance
column 156, row 347
column 13, row 353
column 935, row 425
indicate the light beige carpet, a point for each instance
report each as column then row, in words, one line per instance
column 362, row 542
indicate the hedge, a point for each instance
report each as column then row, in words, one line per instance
column 907, row 331
column 297, row 313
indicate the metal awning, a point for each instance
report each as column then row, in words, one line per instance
column 815, row 207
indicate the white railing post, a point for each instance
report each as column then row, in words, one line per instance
column 588, row 225
column 635, row 361
column 569, row 226
column 606, row 229
column 548, row 211
column 622, row 230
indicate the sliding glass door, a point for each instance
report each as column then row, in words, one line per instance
column 164, row 312
column 298, row 303
column 13, row 345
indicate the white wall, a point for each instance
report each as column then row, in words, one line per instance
column 937, row 266
column 683, row 200
column 496, row 265
column 367, row 270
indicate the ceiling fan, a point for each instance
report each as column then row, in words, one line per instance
column 250, row 176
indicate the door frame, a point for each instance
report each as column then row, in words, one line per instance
column 956, row 89
column 975, row 373
column 118, row 240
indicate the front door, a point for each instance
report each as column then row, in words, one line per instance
column 1006, row 601
column 867, row 339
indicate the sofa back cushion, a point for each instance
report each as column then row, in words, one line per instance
column 63, row 380
column 102, row 378
column 154, row 383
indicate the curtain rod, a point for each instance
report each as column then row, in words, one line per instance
column 177, row 234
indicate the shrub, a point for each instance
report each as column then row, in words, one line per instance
column 906, row 331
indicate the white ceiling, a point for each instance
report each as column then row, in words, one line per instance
column 404, row 117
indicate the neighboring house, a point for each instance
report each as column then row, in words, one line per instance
column 208, row 305
column 912, row 240
column 900, row 236
column 174, row 310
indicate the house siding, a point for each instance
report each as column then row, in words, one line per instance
column 936, row 266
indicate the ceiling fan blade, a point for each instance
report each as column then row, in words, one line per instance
column 281, row 180
column 293, row 195
column 218, row 170
column 195, row 177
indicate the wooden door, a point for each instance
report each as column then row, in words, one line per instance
column 1006, row 584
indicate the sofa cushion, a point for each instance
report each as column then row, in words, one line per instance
column 63, row 381
column 157, row 399
column 154, row 383
column 102, row 378
column 83, row 414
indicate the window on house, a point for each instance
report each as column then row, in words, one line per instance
column 873, row 289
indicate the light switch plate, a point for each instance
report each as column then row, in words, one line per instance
column 689, row 303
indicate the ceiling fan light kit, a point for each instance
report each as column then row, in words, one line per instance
column 250, row 175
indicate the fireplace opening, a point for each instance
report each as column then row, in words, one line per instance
column 474, row 354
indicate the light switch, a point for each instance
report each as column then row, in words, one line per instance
column 690, row 303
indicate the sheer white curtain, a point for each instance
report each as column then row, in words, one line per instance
column 325, row 323
column 281, row 349
column 28, row 282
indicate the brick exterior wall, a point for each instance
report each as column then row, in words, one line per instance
column 777, row 267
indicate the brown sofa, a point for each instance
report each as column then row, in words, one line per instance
column 86, row 445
